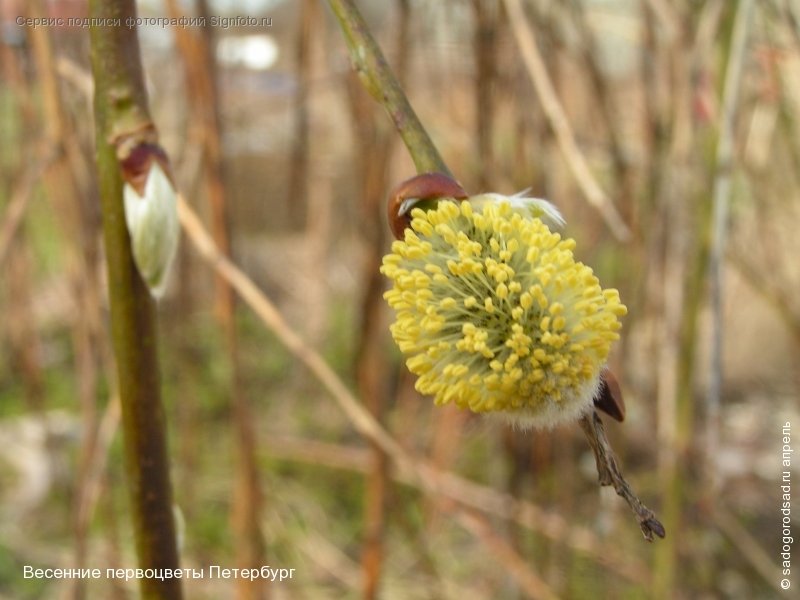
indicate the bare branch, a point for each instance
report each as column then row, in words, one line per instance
column 609, row 473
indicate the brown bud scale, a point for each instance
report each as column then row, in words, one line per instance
column 609, row 396
column 136, row 166
column 428, row 186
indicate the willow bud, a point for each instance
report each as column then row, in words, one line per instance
column 151, row 214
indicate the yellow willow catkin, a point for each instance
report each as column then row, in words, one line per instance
column 495, row 314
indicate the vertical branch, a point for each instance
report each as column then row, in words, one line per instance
column 669, row 274
column 298, row 165
column 191, row 176
column 122, row 121
column 371, row 368
column 30, row 166
column 448, row 423
column 721, row 199
column 71, row 194
column 682, row 278
column 317, row 173
column 485, row 22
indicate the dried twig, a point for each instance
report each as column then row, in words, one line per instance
column 559, row 123
column 609, row 473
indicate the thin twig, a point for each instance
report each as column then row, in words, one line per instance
column 378, row 79
column 609, row 473
column 77, row 76
column 426, row 478
column 559, row 123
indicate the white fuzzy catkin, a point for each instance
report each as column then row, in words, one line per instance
column 153, row 225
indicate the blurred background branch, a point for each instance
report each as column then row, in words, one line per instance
column 558, row 121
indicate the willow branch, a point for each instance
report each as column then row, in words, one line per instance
column 122, row 121
column 559, row 123
column 609, row 473
column 378, row 79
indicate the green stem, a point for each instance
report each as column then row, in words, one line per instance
column 380, row 82
column 122, row 119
